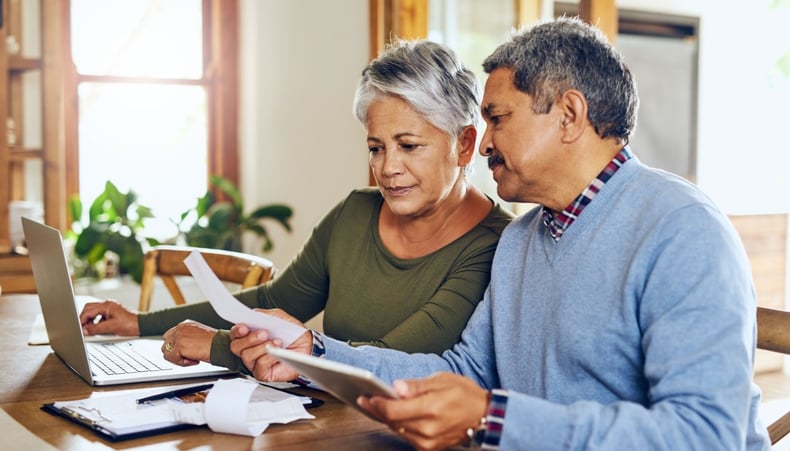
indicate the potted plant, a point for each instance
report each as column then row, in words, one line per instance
column 221, row 224
column 116, row 221
column 115, row 224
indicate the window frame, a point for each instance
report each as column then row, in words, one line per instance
column 220, row 79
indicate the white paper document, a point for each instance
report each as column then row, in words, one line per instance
column 231, row 309
column 232, row 406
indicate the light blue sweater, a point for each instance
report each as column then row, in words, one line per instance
column 636, row 330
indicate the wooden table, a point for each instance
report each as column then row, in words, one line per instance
column 33, row 375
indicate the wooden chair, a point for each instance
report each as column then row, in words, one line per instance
column 773, row 334
column 168, row 262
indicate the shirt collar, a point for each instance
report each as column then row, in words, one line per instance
column 559, row 223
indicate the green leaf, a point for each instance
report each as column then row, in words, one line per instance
column 227, row 187
column 257, row 229
column 89, row 237
column 222, row 216
column 96, row 253
column 204, row 204
column 279, row 212
column 201, row 237
column 97, row 208
column 261, row 232
column 130, row 254
column 184, row 215
column 109, row 228
column 267, row 243
column 75, row 209
column 118, row 201
column 130, row 199
column 143, row 212
column 232, row 241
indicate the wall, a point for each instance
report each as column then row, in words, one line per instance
column 300, row 143
column 741, row 154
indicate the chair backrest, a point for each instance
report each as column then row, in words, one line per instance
column 167, row 262
column 773, row 334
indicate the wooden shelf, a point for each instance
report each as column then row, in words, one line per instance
column 32, row 84
column 22, row 154
column 20, row 64
column 16, row 275
column 14, row 263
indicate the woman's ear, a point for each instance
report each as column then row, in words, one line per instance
column 573, row 120
column 467, row 142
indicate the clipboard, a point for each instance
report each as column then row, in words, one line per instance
column 117, row 415
column 107, row 432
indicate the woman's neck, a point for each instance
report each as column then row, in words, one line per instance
column 416, row 236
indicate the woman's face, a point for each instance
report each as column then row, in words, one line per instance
column 412, row 161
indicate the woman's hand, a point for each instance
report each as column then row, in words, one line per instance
column 250, row 346
column 188, row 343
column 108, row 317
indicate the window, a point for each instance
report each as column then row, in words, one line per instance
column 473, row 29
column 155, row 101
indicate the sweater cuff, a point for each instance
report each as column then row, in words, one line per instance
column 536, row 423
column 148, row 325
column 220, row 352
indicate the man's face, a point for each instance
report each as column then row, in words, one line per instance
column 520, row 144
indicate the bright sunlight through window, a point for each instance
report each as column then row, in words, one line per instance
column 142, row 107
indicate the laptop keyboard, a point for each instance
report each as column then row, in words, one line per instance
column 121, row 358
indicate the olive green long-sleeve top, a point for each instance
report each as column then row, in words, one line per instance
column 369, row 296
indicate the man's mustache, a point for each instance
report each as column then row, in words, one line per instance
column 494, row 160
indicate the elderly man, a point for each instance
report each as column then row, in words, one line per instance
column 620, row 312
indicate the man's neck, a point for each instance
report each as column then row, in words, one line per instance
column 582, row 164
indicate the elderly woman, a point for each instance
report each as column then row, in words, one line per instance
column 402, row 265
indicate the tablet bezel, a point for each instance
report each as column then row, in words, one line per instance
column 345, row 382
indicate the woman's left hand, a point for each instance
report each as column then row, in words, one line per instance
column 188, row 343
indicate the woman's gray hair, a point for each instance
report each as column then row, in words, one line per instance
column 553, row 57
column 428, row 76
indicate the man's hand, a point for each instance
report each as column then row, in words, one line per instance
column 250, row 346
column 432, row 413
column 108, row 317
column 188, row 343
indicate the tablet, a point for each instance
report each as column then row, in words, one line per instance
column 345, row 382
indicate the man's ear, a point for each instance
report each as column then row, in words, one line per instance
column 467, row 142
column 573, row 120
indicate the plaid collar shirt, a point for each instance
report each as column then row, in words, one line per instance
column 559, row 223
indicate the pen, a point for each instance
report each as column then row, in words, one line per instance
column 175, row 393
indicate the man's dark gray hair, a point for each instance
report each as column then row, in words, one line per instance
column 429, row 77
column 566, row 53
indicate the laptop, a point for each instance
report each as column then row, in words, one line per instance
column 108, row 362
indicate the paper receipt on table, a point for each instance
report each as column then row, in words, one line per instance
column 233, row 310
